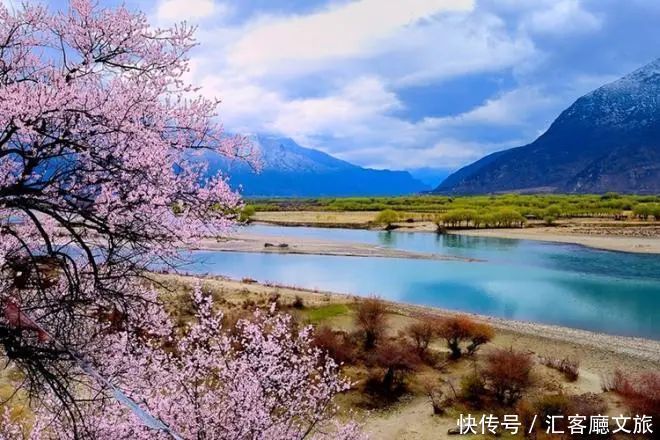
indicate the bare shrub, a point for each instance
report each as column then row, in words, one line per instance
column 455, row 330
column 473, row 389
column 586, row 405
column 422, row 333
column 507, row 373
column 527, row 416
column 641, row 392
column 459, row 329
column 570, row 368
column 437, row 396
column 481, row 333
column 552, row 405
column 371, row 319
column 397, row 359
column 335, row 344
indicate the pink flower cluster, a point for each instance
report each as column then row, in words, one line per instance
column 260, row 379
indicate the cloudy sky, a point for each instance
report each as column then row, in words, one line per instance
column 408, row 83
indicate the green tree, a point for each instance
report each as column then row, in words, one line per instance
column 387, row 217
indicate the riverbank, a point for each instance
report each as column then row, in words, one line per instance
column 644, row 245
column 622, row 236
column 411, row 416
column 600, row 352
column 247, row 242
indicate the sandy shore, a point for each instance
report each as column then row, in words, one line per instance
column 245, row 242
column 606, row 242
column 622, row 236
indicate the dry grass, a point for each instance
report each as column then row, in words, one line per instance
column 317, row 217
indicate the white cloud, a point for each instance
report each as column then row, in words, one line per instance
column 441, row 153
column 343, row 112
column 180, row 10
column 511, row 108
column 562, row 17
column 341, row 31
column 329, row 79
column 457, row 44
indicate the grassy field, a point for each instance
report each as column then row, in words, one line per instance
column 471, row 208
column 603, row 214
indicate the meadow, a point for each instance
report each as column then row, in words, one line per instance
column 488, row 211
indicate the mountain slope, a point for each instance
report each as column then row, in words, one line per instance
column 290, row 170
column 608, row 140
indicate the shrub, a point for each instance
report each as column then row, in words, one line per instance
column 480, row 334
column 473, row 389
column 553, row 405
column 274, row 298
column 586, row 405
column 371, row 320
column 507, row 373
column 570, row 368
column 422, row 333
column 436, row 394
column 298, row 303
column 459, row 329
column 387, row 217
column 334, row 344
column 246, row 214
column 641, row 392
column 613, row 382
column 397, row 359
column 455, row 330
column 527, row 415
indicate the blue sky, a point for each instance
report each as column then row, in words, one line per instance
column 408, row 83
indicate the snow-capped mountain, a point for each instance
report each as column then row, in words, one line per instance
column 287, row 169
column 608, row 140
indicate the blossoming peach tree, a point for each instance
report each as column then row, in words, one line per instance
column 99, row 181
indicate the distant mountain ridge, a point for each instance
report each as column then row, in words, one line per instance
column 290, row 170
column 608, row 140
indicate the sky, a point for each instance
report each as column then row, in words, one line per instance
column 407, row 84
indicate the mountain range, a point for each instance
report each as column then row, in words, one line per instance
column 608, row 140
column 290, row 170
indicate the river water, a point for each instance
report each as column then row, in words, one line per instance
column 570, row 285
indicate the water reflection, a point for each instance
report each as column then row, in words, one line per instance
column 387, row 238
column 472, row 242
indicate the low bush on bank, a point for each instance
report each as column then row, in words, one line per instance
column 422, row 333
column 396, row 359
column 641, row 392
column 561, row 407
column 371, row 320
column 336, row 344
column 387, row 217
column 507, row 373
column 570, row 368
column 464, row 335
